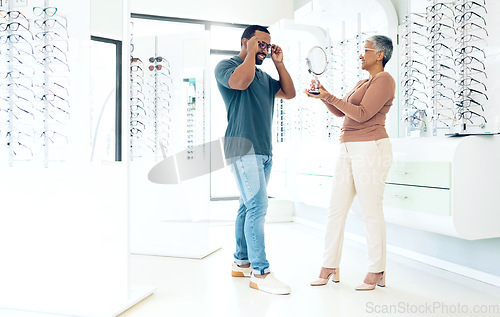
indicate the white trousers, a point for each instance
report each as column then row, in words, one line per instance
column 361, row 169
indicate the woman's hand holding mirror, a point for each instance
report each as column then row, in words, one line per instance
column 317, row 90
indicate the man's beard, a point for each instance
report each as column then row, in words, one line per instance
column 259, row 61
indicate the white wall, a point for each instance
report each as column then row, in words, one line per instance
column 262, row 12
column 106, row 18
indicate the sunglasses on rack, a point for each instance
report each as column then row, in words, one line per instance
column 158, row 59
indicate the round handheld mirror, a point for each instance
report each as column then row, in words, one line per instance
column 316, row 62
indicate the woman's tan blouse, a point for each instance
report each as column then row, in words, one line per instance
column 365, row 108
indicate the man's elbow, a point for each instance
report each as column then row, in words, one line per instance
column 288, row 95
column 241, row 85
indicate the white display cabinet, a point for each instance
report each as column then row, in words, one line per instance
column 445, row 185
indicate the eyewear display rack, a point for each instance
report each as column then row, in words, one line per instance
column 34, row 85
column 168, row 84
column 444, row 77
column 150, row 111
column 64, row 221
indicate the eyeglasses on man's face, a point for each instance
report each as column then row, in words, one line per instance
column 265, row 46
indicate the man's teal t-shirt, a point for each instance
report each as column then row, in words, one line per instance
column 249, row 111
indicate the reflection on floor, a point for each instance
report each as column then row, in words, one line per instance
column 187, row 287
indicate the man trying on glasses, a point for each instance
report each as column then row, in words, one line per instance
column 249, row 94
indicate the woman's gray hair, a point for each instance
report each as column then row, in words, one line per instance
column 382, row 43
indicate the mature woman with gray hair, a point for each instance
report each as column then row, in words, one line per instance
column 363, row 163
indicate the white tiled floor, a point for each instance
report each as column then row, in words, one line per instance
column 187, row 287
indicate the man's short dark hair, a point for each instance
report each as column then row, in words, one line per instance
column 250, row 31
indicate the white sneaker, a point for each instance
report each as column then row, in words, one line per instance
column 241, row 271
column 269, row 284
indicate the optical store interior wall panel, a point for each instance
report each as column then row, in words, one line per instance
column 59, row 213
column 169, row 119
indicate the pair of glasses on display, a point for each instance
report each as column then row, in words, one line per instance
column 469, row 15
column 467, row 92
column 136, row 60
column 439, row 47
column 16, row 146
column 415, row 92
column 440, row 77
column 52, row 87
column 413, row 72
column 158, row 59
column 467, row 103
column 472, row 26
column 439, row 67
column 52, row 97
column 433, row 17
column 51, row 48
column 15, row 39
column 136, row 123
column 161, row 75
column 14, row 26
column 47, row 12
column 467, row 70
column 158, row 67
column 12, row 15
column 470, row 49
column 414, row 63
column 51, row 23
column 138, row 107
column 439, row 7
column 471, row 5
column 14, row 74
column 469, row 115
column 54, row 136
column 135, row 132
column 55, row 61
column 136, row 69
column 50, row 35
column 470, row 81
column 468, row 59
column 441, row 27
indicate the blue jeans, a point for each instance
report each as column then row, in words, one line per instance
column 252, row 176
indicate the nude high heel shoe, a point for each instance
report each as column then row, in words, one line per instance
column 322, row 281
column 370, row 287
